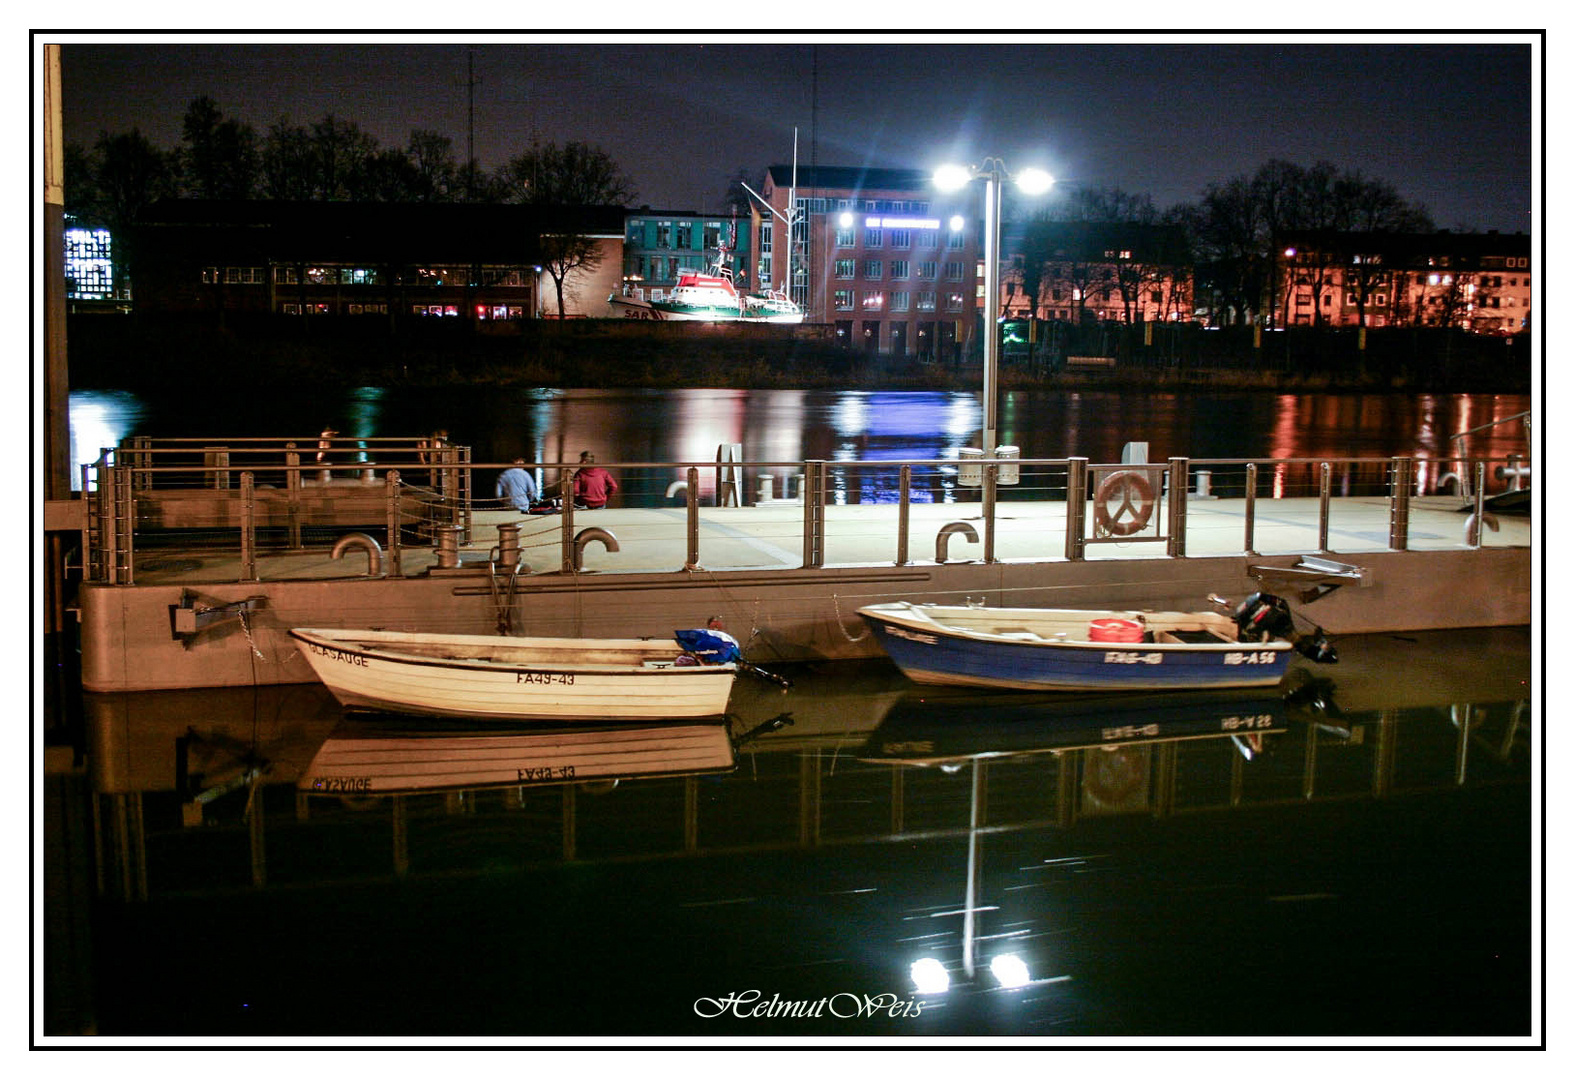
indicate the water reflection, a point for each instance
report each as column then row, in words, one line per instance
column 1126, row 864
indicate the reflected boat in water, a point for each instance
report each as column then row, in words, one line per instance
column 396, row 758
column 930, row 730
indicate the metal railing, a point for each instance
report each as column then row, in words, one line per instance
column 151, row 504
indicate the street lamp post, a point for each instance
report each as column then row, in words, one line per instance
column 1031, row 182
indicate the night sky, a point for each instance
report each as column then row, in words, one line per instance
column 1450, row 124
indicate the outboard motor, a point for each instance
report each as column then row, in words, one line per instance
column 1263, row 616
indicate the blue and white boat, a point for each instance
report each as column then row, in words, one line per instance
column 1079, row 649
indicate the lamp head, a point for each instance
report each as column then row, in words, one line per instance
column 952, row 177
column 1034, row 181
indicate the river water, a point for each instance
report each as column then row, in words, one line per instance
column 1348, row 856
column 791, row 425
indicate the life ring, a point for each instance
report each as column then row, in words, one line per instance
column 1127, row 486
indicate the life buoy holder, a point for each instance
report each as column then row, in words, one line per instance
column 1136, row 503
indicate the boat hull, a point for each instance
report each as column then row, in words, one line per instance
column 930, row 652
column 536, row 679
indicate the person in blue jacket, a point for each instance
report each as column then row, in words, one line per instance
column 517, row 486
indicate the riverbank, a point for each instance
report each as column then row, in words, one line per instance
column 134, row 352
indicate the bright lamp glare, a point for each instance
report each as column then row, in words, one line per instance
column 952, row 177
column 1034, row 181
column 929, row 977
column 956, row 223
column 845, row 219
column 1009, row 970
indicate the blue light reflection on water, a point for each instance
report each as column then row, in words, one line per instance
column 792, row 425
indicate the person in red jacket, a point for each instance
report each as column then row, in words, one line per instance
column 592, row 483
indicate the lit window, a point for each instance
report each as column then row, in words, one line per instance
column 842, row 299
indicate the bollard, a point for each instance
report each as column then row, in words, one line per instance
column 767, row 484
column 1204, row 479
column 970, row 467
column 448, row 546
column 1008, row 471
column 508, row 544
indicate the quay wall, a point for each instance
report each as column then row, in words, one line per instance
column 129, row 639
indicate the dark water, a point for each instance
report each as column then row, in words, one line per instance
column 1351, row 861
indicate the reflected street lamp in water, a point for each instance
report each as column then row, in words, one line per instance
column 1030, row 182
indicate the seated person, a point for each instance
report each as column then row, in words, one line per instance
column 592, row 484
column 517, row 486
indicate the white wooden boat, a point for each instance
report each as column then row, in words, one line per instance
column 515, row 678
column 1078, row 649
column 399, row 757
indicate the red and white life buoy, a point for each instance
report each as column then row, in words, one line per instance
column 1135, row 507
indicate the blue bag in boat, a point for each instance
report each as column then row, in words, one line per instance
column 711, row 646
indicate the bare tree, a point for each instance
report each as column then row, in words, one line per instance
column 556, row 179
column 218, row 157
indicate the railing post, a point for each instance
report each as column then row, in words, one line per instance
column 566, row 520
column 1076, row 507
column 1176, row 527
column 1479, row 476
column 814, row 514
column 990, row 476
column 692, row 512
column 292, row 491
column 904, row 489
column 248, row 528
column 1400, row 505
column 1325, row 489
column 391, row 498
column 108, row 529
column 1249, row 509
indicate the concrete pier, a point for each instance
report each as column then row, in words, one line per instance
column 191, row 621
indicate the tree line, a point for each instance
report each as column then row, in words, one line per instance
column 1229, row 235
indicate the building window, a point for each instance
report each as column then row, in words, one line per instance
column 901, row 238
column 842, row 299
column 872, row 238
column 956, row 240
column 843, row 268
column 872, row 268
column 845, row 236
column 899, row 301
column 899, row 268
column 874, row 300
column 636, row 237
column 927, row 238
column 285, row 275
column 926, row 301
column 88, row 270
column 954, row 301
column 927, row 271
column 685, row 234
column 664, row 235
column 954, row 271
